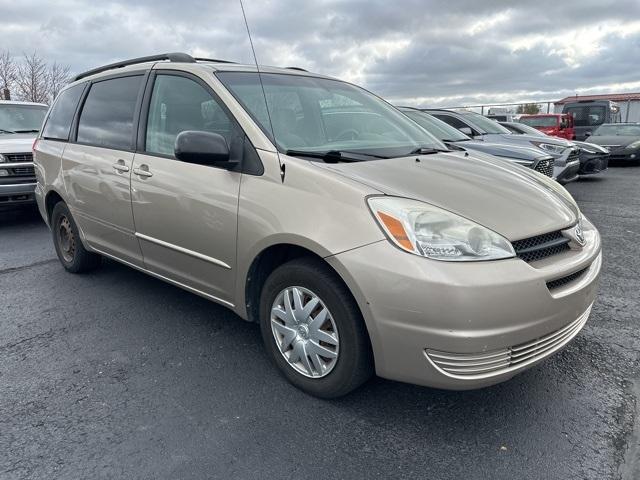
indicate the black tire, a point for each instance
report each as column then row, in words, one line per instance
column 66, row 239
column 354, row 364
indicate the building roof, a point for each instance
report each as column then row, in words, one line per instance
column 614, row 97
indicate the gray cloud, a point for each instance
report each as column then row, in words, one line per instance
column 420, row 52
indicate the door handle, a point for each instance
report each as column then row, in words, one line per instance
column 120, row 166
column 143, row 171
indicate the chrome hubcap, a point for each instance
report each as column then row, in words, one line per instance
column 66, row 240
column 305, row 332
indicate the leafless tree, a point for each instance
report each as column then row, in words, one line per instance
column 57, row 77
column 31, row 79
column 7, row 74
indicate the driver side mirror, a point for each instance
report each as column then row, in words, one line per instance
column 466, row 131
column 202, row 148
column 587, row 134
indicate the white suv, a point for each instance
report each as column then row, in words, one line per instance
column 20, row 123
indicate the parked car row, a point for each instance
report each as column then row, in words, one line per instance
column 456, row 140
column 360, row 237
column 565, row 154
column 593, row 158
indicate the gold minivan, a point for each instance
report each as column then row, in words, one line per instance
column 356, row 239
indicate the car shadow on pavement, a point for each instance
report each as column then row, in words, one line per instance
column 20, row 216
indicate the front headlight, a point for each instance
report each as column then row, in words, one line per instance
column 549, row 147
column 635, row 144
column 432, row 232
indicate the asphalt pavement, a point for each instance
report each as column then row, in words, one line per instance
column 115, row 374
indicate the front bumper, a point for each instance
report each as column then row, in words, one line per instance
column 414, row 307
column 568, row 172
column 590, row 164
column 625, row 155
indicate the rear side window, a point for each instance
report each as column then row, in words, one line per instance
column 58, row 124
column 107, row 116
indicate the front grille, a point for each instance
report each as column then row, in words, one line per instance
column 22, row 171
column 17, row 171
column 18, row 157
column 545, row 167
column 541, row 246
column 487, row 364
column 560, row 282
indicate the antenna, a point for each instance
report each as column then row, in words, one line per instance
column 264, row 95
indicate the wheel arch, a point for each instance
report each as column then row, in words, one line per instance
column 50, row 200
column 271, row 257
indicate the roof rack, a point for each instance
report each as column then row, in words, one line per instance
column 172, row 57
column 297, row 68
column 216, row 60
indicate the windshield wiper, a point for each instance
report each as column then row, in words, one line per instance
column 334, row 156
column 6, row 131
column 26, row 131
column 427, row 151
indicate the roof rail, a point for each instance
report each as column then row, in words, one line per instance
column 172, row 57
column 216, row 60
column 297, row 68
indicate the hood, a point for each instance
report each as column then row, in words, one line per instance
column 536, row 138
column 526, row 141
column 16, row 142
column 509, row 151
column 590, row 147
column 509, row 199
column 621, row 140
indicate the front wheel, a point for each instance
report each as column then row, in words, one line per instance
column 313, row 330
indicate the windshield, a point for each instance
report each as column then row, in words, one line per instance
column 21, row 118
column 319, row 115
column 540, row 121
column 619, row 129
column 439, row 129
column 484, row 123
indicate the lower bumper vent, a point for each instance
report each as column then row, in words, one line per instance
column 472, row 366
column 560, row 282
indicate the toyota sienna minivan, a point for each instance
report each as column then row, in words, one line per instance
column 355, row 239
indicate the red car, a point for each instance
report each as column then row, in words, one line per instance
column 554, row 124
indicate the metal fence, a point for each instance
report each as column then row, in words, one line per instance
column 545, row 106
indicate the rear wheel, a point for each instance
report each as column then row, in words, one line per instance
column 313, row 330
column 66, row 239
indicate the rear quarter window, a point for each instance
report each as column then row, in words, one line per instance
column 58, row 124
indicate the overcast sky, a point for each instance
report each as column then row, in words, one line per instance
column 414, row 52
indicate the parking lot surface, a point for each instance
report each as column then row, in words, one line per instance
column 114, row 374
